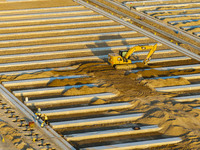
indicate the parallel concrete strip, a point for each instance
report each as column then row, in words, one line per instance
column 58, row 32
column 179, row 88
column 71, row 51
column 131, row 3
column 137, row 145
column 50, row 90
column 183, row 21
column 64, row 54
column 67, row 52
column 111, row 133
column 48, row 17
column 86, row 135
column 62, row 39
column 48, row 47
column 187, row 98
column 40, row 10
column 80, row 111
column 189, row 27
column 160, row 60
column 96, row 121
column 55, row 26
column 51, row 20
column 177, row 16
column 45, row 15
column 49, row 63
column 12, row 84
column 171, row 10
column 36, row 71
column 70, row 100
column 182, row 67
column 188, row 77
column 140, row 8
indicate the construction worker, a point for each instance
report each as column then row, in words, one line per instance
column 38, row 114
column 46, row 119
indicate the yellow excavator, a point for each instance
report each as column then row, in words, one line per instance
column 122, row 60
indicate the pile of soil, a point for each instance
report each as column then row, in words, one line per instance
column 166, row 82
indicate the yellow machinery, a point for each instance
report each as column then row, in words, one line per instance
column 122, row 59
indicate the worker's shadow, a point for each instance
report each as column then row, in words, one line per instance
column 104, row 45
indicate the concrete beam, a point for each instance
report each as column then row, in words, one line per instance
column 179, row 88
column 69, row 100
column 182, row 67
column 97, row 121
column 50, row 90
column 137, row 145
column 187, row 98
column 83, row 111
column 109, row 134
column 188, row 77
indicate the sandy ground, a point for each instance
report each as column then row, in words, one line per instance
column 176, row 119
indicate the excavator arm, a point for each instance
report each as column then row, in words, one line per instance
column 148, row 58
column 140, row 48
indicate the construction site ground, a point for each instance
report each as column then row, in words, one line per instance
column 175, row 119
column 159, row 108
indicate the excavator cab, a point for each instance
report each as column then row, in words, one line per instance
column 123, row 53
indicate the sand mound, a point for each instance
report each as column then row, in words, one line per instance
column 84, row 90
column 140, row 65
column 66, row 82
column 167, row 82
column 98, row 101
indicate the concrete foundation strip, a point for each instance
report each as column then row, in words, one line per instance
column 137, row 145
column 105, row 134
column 140, row 8
column 182, row 67
column 188, row 77
column 187, row 98
column 97, row 121
column 17, row 83
column 49, row 90
column 69, row 100
column 35, row 10
column 86, row 109
column 179, row 88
